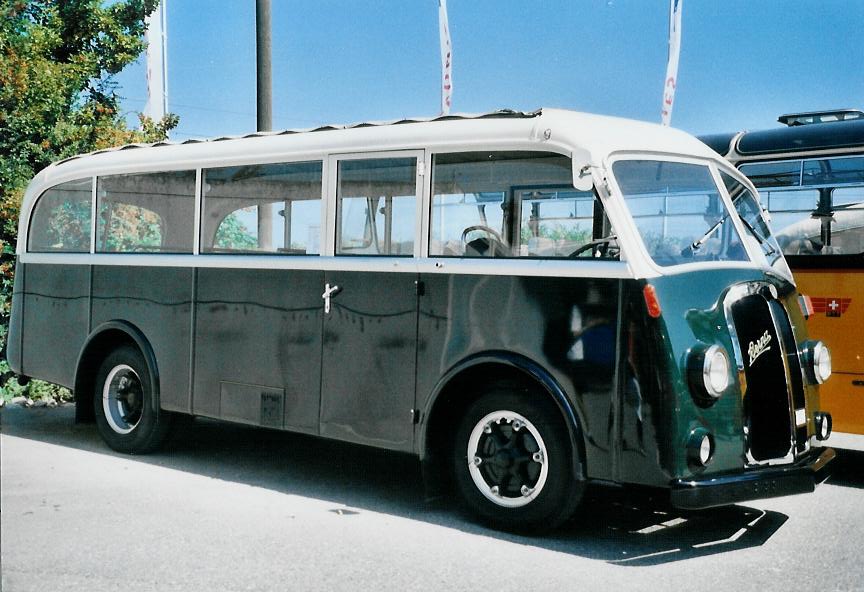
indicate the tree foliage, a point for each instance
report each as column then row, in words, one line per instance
column 58, row 97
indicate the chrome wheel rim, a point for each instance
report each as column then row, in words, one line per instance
column 123, row 399
column 507, row 459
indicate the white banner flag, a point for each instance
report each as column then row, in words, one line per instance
column 157, row 74
column 446, row 59
column 672, row 65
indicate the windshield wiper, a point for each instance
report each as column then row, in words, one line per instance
column 696, row 245
column 770, row 250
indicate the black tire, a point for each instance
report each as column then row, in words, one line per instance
column 122, row 401
column 534, row 494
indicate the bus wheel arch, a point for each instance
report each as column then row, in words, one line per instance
column 469, row 389
column 99, row 344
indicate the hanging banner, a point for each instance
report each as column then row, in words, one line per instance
column 446, row 59
column 157, row 80
column 672, row 64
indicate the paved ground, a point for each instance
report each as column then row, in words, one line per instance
column 231, row 508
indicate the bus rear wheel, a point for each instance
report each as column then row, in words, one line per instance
column 122, row 400
column 513, row 462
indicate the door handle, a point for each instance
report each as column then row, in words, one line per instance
column 328, row 292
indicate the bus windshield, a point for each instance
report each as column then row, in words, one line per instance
column 679, row 212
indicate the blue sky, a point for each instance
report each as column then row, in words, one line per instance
column 743, row 62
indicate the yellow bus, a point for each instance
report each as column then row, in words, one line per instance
column 810, row 175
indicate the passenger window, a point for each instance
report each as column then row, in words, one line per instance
column 774, row 174
column 376, row 206
column 146, row 213
column 847, row 226
column 818, row 221
column 555, row 223
column 61, row 219
column 513, row 204
column 263, row 208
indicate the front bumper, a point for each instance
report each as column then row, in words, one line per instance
column 709, row 492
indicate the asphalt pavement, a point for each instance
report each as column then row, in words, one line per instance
column 227, row 507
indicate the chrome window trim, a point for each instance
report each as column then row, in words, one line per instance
column 199, row 206
column 93, row 212
column 434, row 265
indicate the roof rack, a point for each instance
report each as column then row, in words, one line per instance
column 500, row 114
column 811, row 117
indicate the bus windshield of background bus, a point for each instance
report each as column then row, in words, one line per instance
column 678, row 211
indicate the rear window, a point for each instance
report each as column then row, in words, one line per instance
column 61, row 219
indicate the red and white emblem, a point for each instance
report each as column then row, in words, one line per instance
column 832, row 307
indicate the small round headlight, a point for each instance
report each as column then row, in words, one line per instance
column 705, row 450
column 823, row 425
column 700, row 448
column 715, row 371
column 821, row 362
column 708, row 373
column 816, row 360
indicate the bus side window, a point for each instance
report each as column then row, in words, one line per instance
column 262, row 208
column 375, row 211
column 797, row 231
column 61, row 219
column 146, row 213
column 510, row 204
column 847, row 227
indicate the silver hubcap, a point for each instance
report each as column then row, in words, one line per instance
column 122, row 399
column 507, row 459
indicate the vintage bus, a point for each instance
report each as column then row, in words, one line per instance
column 527, row 302
column 810, row 175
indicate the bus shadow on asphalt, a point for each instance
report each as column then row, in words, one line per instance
column 847, row 470
column 637, row 533
column 613, row 526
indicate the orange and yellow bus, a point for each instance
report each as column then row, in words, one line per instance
column 810, row 175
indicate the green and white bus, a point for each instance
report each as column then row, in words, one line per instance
column 528, row 302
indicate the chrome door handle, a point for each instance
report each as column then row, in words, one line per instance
column 328, row 292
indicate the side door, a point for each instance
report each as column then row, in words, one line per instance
column 258, row 316
column 370, row 299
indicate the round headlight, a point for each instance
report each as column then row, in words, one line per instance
column 715, row 371
column 708, row 369
column 705, row 450
column 823, row 425
column 821, row 362
column 700, row 448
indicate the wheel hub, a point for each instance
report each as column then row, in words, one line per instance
column 507, row 459
column 122, row 399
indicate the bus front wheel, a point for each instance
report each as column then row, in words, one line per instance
column 122, row 400
column 514, row 465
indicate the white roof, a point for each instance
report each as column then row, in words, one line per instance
column 556, row 130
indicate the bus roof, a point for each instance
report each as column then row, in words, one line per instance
column 588, row 138
column 825, row 136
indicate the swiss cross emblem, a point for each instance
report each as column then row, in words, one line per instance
column 832, row 307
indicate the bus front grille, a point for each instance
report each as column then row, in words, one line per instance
column 773, row 379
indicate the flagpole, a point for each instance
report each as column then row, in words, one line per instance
column 671, row 81
column 446, row 58
column 157, row 65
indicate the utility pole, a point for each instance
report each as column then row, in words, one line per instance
column 264, row 110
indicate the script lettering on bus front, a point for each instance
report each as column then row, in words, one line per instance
column 759, row 347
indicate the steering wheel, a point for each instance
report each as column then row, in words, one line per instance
column 599, row 247
column 491, row 245
column 490, row 231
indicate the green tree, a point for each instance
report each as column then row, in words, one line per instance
column 57, row 99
